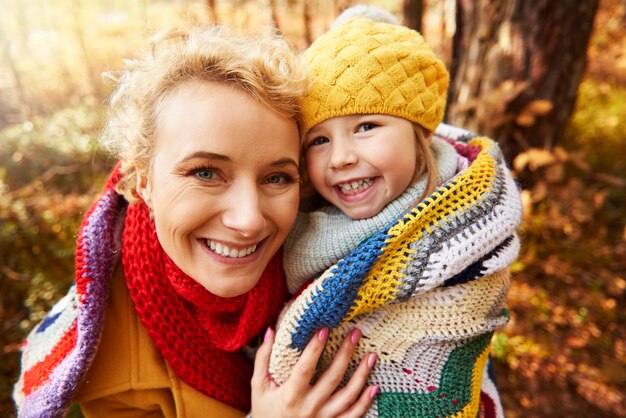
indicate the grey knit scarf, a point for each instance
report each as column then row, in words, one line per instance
column 320, row 238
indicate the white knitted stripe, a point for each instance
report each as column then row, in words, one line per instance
column 18, row 393
column 492, row 391
column 372, row 412
column 282, row 366
column 41, row 344
column 504, row 258
column 463, row 248
column 452, row 132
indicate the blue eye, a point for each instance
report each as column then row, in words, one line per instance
column 206, row 174
column 364, row 127
column 279, row 179
column 319, row 140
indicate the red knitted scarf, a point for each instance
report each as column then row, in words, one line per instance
column 199, row 334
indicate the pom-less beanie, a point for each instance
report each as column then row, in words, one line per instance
column 367, row 67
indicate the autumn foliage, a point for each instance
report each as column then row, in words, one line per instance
column 563, row 353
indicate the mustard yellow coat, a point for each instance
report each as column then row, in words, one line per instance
column 130, row 378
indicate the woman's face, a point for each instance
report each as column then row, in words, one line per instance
column 223, row 186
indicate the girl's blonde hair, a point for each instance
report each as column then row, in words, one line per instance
column 426, row 160
column 262, row 64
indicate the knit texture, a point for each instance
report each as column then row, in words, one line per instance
column 199, row 334
column 57, row 352
column 198, row 337
column 321, row 238
column 367, row 67
column 427, row 291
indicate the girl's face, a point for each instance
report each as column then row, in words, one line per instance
column 223, row 185
column 360, row 163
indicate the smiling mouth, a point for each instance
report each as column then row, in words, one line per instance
column 356, row 186
column 226, row 251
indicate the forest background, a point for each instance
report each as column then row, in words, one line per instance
column 563, row 353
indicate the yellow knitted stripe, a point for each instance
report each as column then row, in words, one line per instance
column 471, row 409
column 467, row 188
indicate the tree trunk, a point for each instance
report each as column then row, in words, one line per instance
column 275, row 16
column 24, row 101
column 86, row 57
column 413, row 10
column 516, row 67
column 307, row 21
column 212, row 10
column 58, row 46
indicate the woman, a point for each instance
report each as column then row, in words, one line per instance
column 178, row 267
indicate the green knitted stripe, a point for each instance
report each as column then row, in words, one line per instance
column 453, row 393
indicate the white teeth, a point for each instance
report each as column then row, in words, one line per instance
column 225, row 251
column 356, row 186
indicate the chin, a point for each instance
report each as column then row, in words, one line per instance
column 228, row 291
column 361, row 214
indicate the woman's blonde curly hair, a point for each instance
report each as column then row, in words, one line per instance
column 262, row 64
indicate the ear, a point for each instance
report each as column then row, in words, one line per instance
column 144, row 190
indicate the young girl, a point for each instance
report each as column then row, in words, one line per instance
column 412, row 253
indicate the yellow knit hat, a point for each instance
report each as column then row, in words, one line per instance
column 367, row 67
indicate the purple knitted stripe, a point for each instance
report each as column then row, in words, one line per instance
column 102, row 250
column 54, row 398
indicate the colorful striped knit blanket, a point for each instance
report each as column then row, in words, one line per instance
column 201, row 336
column 59, row 349
column 427, row 292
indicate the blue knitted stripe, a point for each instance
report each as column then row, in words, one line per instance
column 47, row 321
column 336, row 294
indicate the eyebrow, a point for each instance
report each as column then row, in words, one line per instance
column 313, row 130
column 206, row 156
column 283, row 162
column 220, row 157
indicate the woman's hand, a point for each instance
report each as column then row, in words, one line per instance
column 297, row 398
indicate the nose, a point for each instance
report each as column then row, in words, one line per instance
column 243, row 212
column 342, row 154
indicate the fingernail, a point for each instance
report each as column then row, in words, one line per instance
column 268, row 335
column 356, row 336
column 371, row 360
column 373, row 392
column 322, row 334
